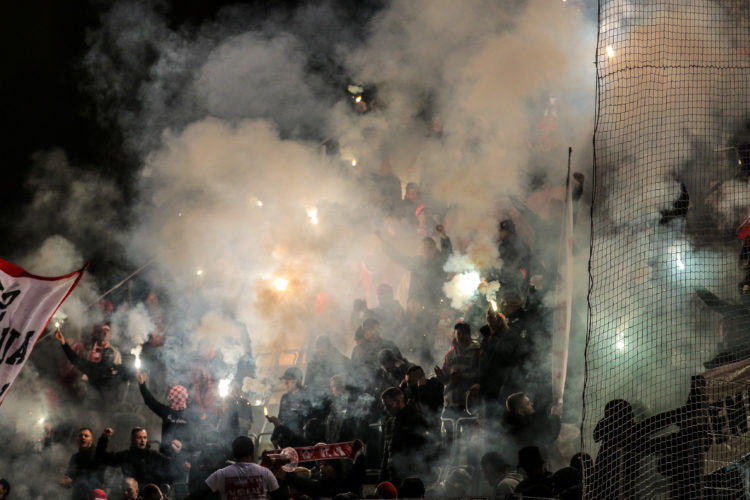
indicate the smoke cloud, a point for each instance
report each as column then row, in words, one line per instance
column 244, row 129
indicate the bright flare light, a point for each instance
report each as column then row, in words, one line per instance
column 280, row 284
column 354, row 162
column 468, row 282
column 610, row 51
column 57, row 324
column 41, row 420
column 136, row 351
column 199, row 272
column 493, row 303
column 680, row 264
column 358, row 98
column 265, row 411
column 224, row 387
column 312, row 213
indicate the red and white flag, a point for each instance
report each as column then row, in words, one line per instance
column 27, row 303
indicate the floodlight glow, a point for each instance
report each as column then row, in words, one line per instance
column 620, row 345
column 610, row 51
column 280, row 284
column 312, row 213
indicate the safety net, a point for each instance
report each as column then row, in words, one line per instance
column 667, row 391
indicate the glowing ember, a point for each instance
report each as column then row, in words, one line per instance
column 312, row 213
column 610, row 51
column 280, row 284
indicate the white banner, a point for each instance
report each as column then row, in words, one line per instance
column 564, row 298
column 27, row 303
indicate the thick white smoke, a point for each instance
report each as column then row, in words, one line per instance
column 473, row 100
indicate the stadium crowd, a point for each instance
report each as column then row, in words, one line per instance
column 411, row 411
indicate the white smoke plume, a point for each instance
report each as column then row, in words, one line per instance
column 473, row 101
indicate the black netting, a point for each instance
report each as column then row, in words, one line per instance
column 668, row 350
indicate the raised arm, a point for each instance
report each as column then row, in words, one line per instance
column 155, row 406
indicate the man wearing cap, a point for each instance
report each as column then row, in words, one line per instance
column 294, row 411
column 98, row 494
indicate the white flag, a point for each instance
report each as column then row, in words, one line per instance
column 27, row 303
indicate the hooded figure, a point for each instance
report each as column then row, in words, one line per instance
column 175, row 418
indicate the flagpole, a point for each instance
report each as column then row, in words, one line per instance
column 124, row 280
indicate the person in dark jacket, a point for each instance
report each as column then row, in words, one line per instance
column 138, row 461
column 175, row 418
column 426, row 394
column 294, row 411
column 331, row 482
column 460, row 370
column 366, row 372
column 4, row 489
column 103, row 375
column 349, row 413
column 84, row 472
column 405, row 438
column 427, row 274
column 496, row 360
column 326, row 362
column 394, row 367
column 526, row 426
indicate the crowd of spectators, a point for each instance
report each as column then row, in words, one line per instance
column 428, row 418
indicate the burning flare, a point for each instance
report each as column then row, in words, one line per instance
column 224, row 386
column 136, row 351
